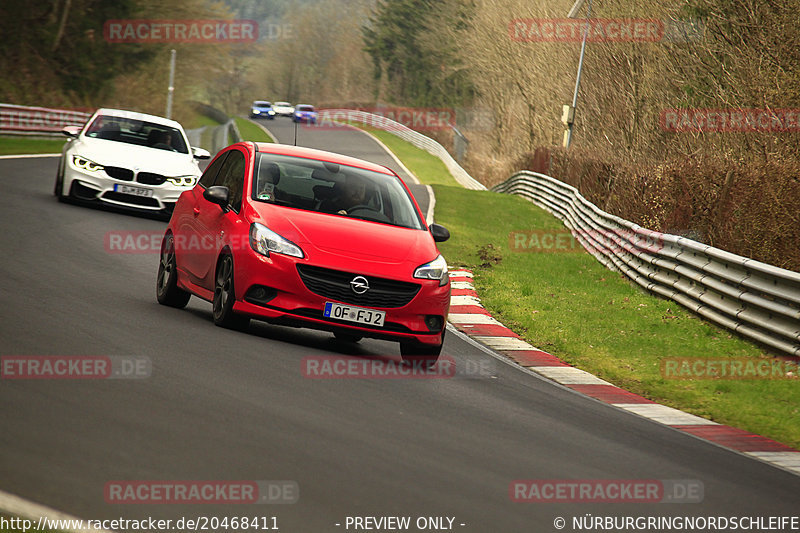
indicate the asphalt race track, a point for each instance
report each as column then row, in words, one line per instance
column 226, row 405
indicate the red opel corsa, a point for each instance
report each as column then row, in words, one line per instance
column 308, row 238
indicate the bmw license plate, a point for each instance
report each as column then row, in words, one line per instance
column 359, row 315
column 135, row 191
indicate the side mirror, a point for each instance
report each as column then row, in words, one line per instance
column 71, row 131
column 439, row 232
column 218, row 194
column 200, row 153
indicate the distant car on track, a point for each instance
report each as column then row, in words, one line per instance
column 127, row 159
column 308, row 238
column 283, row 109
column 262, row 109
column 305, row 113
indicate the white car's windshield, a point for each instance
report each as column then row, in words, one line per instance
column 331, row 188
column 139, row 132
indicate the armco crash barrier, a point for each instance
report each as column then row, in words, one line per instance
column 754, row 299
column 24, row 120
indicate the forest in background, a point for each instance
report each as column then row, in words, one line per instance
column 734, row 190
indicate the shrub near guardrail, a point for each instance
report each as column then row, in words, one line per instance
column 745, row 208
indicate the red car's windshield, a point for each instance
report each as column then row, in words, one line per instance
column 332, row 188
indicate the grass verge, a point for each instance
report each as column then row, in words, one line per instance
column 251, row 131
column 571, row 306
column 429, row 169
column 199, row 120
column 21, row 145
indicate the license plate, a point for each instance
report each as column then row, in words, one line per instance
column 135, row 191
column 354, row 314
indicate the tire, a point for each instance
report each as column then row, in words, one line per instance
column 347, row 337
column 417, row 353
column 167, row 290
column 58, row 190
column 225, row 296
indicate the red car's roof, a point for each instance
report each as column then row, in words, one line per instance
column 319, row 155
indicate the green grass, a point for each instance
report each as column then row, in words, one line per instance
column 20, row 145
column 199, row 120
column 251, row 131
column 571, row 306
column 428, row 168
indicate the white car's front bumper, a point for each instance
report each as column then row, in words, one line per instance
column 123, row 187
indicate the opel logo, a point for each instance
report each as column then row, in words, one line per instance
column 360, row 285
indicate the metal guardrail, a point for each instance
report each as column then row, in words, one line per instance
column 40, row 121
column 757, row 300
column 407, row 134
column 218, row 138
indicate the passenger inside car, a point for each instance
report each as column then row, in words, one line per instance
column 269, row 176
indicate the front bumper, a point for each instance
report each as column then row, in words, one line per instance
column 98, row 186
column 285, row 299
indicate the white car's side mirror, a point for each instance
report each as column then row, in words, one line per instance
column 71, row 131
column 200, row 153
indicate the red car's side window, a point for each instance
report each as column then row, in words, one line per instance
column 210, row 174
column 231, row 175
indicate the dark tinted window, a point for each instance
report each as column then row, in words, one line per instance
column 231, row 175
column 208, row 177
column 334, row 189
column 133, row 131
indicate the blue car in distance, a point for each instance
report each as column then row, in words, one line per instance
column 262, row 109
column 305, row 113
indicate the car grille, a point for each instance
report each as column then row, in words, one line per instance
column 119, row 173
column 131, row 199
column 335, row 284
column 148, row 178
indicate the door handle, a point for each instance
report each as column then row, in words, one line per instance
column 196, row 211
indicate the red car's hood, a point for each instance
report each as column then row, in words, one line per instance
column 351, row 239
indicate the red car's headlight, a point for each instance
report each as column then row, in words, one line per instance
column 263, row 240
column 436, row 269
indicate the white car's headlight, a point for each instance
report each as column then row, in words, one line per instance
column 436, row 269
column 182, row 181
column 263, row 240
column 255, row 111
column 85, row 164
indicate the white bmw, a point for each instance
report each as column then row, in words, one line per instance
column 128, row 159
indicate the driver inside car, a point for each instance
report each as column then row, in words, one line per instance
column 160, row 139
column 348, row 195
